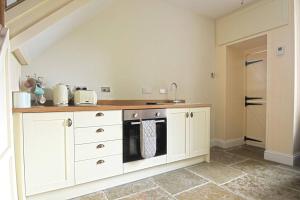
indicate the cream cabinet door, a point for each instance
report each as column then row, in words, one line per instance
column 177, row 134
column 199, row 131
column 48, row 151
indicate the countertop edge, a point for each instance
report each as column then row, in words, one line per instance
column 46, row 109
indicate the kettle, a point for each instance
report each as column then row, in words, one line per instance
column 60, row 95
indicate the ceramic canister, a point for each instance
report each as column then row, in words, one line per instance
column 21, row 100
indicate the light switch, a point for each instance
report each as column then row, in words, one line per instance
column 163, row 91
column 280, row 51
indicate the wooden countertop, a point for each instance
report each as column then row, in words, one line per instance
column 44, row 109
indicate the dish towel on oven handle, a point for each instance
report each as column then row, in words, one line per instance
column 148, row 138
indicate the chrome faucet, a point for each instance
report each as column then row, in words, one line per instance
column 176, row 87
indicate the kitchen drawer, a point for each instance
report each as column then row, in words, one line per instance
column 95, row 169
column 97, row 118
column 98, row 134
column 99, row 149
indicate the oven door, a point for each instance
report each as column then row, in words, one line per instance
column 131, row 139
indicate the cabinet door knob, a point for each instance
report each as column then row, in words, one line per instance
column 100, row 114
column 100, row 130
column 187, row 115
column 100, row 146
column 99, row 162
column 69, row 122
column 192, row 114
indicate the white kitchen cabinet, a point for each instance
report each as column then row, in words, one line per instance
column 188, row 133
column 98, row 134
column 177, row 129
column 48, row 151
column 99, row 149
column 98, row 168
column 199, row 135
column 97, row 118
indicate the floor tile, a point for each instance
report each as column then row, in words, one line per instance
column 178, row 181
column 261, row 189
column 291, row 168
column 154, row 194
column 226, row 158
column 250, row 152
column 93, row 196
column 212, row 149
column 216, row 172
column 208, row 192
column 284, row 177
column 241, row 172
column 130, row 188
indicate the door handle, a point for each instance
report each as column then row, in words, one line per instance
column 69, row 122
column 100, row 114
column 192, row 114
column 100, row 146
column 187, row 115
column 100, row 130
column 99, row 162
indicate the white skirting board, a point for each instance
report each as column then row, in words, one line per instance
column 87, row 188
column 286, row 159
column 297, row 159
column 227, row 143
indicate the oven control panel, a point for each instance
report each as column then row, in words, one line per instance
column 144, row 114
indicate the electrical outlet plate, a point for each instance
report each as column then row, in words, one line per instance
column 147, row 90
column 105, row 89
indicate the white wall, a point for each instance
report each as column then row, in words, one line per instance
column 252, row 19
column 135, row 44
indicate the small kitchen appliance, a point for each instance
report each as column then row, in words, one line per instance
column 85, row 98
column 60, row 95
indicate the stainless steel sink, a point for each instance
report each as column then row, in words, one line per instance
column 177, row 101
column 166, row 102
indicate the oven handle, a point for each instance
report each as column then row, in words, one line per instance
column 157, row 121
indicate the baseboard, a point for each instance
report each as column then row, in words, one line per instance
column 256, row 144
column 297, row 159
column 282, row 158
column 227, row 143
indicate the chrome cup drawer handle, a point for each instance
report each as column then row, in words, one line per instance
column 100, row 130
column 99, row 162
column 100, row 146
column 100, row 114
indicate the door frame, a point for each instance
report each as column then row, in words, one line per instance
column 7, row 154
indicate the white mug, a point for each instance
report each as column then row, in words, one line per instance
column 21, row 100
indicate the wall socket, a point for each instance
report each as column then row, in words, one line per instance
column 147, row 90
column 105, row 89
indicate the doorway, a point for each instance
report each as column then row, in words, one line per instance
column 246, row 91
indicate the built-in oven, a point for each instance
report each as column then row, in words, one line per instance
column 131, row 132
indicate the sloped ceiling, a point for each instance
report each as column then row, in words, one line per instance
column 34, row 40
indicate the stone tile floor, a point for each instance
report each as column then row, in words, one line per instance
column 233, row 174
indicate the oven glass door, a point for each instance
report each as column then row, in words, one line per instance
column 131, row 140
